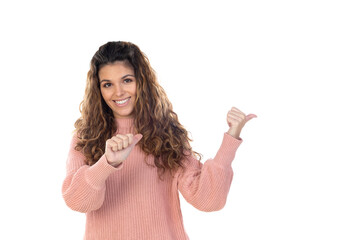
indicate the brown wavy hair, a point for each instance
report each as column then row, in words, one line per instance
column 163, row 136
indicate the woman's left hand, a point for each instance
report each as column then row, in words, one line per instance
column 236, row 120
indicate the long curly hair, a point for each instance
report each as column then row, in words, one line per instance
column 163, row 136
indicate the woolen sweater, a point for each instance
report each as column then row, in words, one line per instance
column 131, row 202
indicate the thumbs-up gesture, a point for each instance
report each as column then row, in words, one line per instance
column 236, row 120
column 118, row 148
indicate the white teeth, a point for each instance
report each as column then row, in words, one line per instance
column 123, row 101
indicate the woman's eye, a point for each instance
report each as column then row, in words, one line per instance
column 106, row 85
column 128, row 80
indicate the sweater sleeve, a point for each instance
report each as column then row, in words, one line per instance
column 84, row 186
column 206, row 186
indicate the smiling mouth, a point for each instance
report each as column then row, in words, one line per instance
column 122, row 101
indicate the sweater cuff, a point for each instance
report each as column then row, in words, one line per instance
column 226, row 153
column 99, row 172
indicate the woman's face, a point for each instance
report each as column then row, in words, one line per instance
column 118, row 87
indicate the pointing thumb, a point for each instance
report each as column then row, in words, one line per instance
column 250, row 116
column 136, row 139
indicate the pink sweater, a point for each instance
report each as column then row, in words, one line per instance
column 131, row 202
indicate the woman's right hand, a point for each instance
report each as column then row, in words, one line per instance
column 118, row 148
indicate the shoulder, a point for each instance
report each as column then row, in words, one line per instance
column 74, row 140
column 75, row 137
column 189, row 162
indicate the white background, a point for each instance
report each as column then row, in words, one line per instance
column 293, row 63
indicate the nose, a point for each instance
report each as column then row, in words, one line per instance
column 119, row 90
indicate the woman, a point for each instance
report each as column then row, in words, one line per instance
column 130, row 156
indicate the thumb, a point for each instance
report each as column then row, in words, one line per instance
column 250, row 116
column 136, row 139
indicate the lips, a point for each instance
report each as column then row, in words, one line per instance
column 122, row 102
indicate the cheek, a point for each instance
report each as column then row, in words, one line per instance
column 105, row 94
column 134, row 90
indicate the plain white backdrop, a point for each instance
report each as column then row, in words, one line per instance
column 293, row 63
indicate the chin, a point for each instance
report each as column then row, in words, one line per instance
column 123, row 114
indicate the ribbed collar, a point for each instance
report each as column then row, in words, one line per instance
column 124, row 122
column 125, row 125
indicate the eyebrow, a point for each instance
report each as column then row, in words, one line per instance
column 125, row 76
